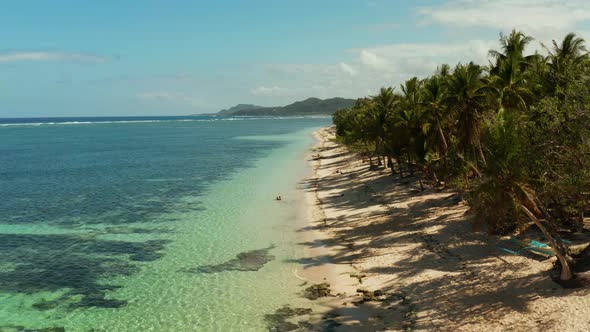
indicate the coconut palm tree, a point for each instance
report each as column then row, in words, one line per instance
column 512, row 47
column 571, row 48
column 520, row 154
column 382, row 108
column 511, row 86
column 434, row 96
column 502, row 195
column 508, row 75
column 467, row 99
column 564, row 58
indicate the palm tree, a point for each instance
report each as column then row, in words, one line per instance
column 412, row 122
column 383, row 106
column 410, row 117
column 512, row 51
column 434, row 96
column 501, row 132
column 564, row 58
column 502, row 195
column 507, row 75
column 511, row 86
column 571, row 48
column 467, row 98
column 538, row 75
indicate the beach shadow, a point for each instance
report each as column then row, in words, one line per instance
column 454, row 274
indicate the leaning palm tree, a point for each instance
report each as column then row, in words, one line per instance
column 502, row 196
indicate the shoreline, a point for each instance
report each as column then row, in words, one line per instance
column 416, row 258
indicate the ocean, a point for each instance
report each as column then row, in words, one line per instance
column 150, row 223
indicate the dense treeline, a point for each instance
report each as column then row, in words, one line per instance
column 513, row 136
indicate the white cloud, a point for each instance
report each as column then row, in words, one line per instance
column 374, row 61
column 321, row 88
column 363, row 70
column 51, row 56
column 296, row 81
column 542, row 18
column 423, row 59
column 347, row 69
column 370, row 69
column 272, row 91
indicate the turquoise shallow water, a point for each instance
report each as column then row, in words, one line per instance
column 154, row 226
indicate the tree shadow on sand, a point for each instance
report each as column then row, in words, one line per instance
column 461, row 286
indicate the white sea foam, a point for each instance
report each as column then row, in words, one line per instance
column 212, row 119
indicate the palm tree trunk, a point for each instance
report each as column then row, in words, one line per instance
column 435, row 178
column 410, row 165
column 481, row 155
column 377, row 151
column 391, row 165
column 399, row 165
column 445, row 145
column 443, row 139
column 566, row 272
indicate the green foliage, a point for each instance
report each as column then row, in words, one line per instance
column 495, row 195
column 514, row 136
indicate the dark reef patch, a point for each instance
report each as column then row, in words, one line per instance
column 252, row 260
column 279, row 320
column 19, row 328
column 79, row 264
column 136, row 230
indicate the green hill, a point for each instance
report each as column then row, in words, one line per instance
column 310, row 106
column 237, row 108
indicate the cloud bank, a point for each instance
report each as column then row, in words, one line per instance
column 454, row 20
column 44, row 56
column 542, row 18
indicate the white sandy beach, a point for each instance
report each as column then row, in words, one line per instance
column 420, row 250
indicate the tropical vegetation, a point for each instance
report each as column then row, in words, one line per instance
column 512, row 136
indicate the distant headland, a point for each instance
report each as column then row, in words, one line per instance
column 310, row 106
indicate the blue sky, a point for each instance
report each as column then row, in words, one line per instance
column 83, row 58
